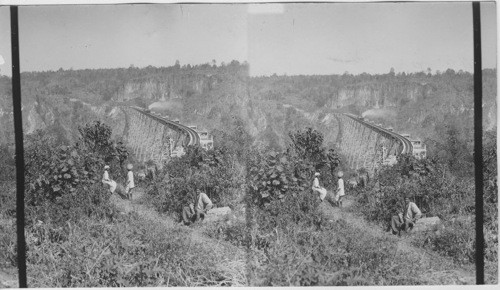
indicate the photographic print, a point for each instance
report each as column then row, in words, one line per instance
column 247, row 144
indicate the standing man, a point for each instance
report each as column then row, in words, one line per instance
column 316, row 187
column 130, row 181
column 340, row 189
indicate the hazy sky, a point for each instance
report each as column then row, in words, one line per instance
column 286, row 38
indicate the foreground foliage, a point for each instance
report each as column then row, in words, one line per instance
column 128, row 252
column 438, row 192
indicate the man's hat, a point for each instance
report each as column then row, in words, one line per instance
column 106, row 167
column 130, row 166
column 316, row 174
column 340, row 174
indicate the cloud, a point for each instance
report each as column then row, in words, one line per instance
column 341, row 60
column 171, row 105
column 380, row 113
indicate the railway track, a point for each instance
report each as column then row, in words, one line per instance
column 406, row 146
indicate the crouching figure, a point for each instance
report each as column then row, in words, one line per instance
column 191, row 214
column 407, row 221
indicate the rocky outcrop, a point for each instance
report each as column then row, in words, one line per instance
column 380, row 95
column 170, row 87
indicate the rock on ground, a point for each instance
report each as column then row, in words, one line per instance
column 427, row 224
column 217, row 214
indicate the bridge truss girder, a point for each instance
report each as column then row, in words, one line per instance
column 150, row 139
column 363, row 146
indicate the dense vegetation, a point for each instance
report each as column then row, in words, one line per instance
column 444, row 189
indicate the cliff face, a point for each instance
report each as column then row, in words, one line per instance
column 165, row 88
column 268, row 107
column 380, row 95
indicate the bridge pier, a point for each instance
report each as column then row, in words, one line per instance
column 151, row 138
column 363, row 144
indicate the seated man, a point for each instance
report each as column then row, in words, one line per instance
column 192, row 214
column 406, row 222
column 115, row 187
column 321, row 190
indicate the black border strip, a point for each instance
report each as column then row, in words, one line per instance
column 478, row 142
column 18, row 129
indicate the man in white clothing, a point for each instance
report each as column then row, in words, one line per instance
column 340, row 189
column 130, row 181
column 105, row 175
column 322, row 191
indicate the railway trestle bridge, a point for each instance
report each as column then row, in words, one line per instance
column 156, row 138
column 369, row 145
column 365, row 144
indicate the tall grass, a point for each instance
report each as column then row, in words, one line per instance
column 130, row 252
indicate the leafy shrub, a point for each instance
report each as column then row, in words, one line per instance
column 96, row 137
column 456, row 240
column 213, row 171
column 272, row 175
column 65, row 180
column 308, row 146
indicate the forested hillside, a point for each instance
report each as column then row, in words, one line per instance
column 435, row 107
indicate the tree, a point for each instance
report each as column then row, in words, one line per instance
column 308, row 145
column 392, row 72
column 96, row 137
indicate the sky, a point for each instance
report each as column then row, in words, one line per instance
column 292, row 39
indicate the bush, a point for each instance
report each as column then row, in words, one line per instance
column 438, row 192
column 455, row 240
column 213, row 171
column 271, row 175
column 64, row 182
column 83, row 202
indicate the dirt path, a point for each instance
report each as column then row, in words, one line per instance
column 441, row 270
